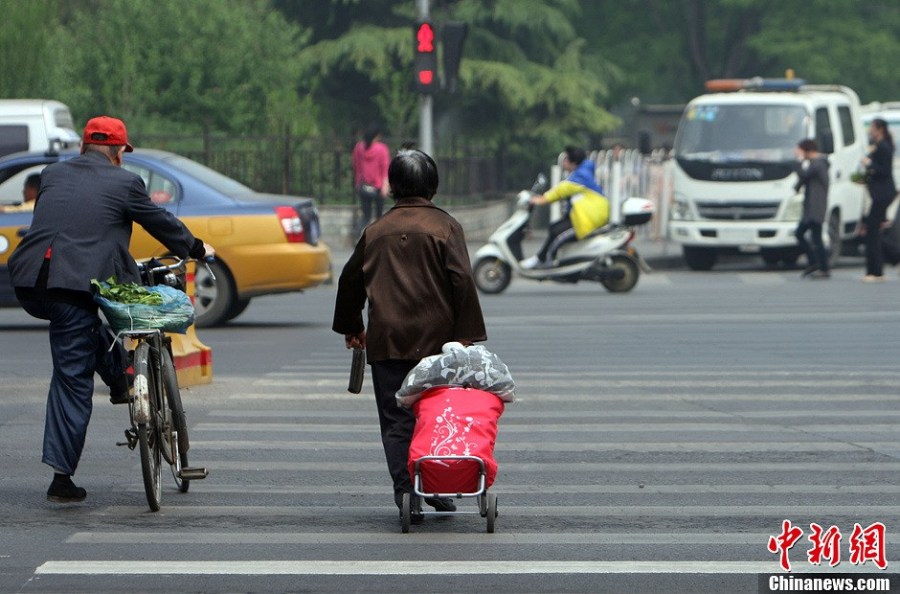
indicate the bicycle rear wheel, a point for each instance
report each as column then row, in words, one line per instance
column 179, row 421
column 148, row 434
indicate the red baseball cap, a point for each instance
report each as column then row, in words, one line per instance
column 106, row 130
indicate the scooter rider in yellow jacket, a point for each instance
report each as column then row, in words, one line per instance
column 589, row 209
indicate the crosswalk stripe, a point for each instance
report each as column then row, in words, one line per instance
column 888, row 398
column 815, row 466
column 523, row 414
column 432, row 567
column 374, row 446
column 526, row 511
column 566, row 428
column 360, row 538
column 287, row 488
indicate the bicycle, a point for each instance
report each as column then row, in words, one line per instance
column 158, row 424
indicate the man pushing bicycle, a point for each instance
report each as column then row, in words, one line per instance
column 81, row 231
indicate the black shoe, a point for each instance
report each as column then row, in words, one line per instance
column 121, row 392
column 63, row 490
column 808, row 270
column 820, row 274
column 441, row 504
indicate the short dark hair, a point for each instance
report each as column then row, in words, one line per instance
column 33, row 181
column 575, row 154
column 412, row 174
column 807, row 145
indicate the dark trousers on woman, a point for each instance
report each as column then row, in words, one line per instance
column 873, row 243
column 370, row 199
column 79, row 347
column 816, row 255
column 397, row 423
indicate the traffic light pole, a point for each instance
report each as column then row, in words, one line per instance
column 426, row 139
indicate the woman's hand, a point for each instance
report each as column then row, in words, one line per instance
column 355, row 341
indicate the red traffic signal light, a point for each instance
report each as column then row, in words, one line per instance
column 425, row 59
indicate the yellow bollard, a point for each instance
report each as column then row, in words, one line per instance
column 193, row 359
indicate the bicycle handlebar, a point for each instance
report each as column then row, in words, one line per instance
column 178, row 267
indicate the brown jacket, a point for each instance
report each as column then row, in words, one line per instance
column 413, row 267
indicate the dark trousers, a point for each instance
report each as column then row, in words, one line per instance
column 559, row 233
column 397, row 423
column 79, row 347
column 370, row 201
column 816, row 254
column 873, row 242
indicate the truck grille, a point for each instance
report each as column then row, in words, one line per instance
column 738, row 211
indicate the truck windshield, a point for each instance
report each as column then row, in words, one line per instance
column 728, row 132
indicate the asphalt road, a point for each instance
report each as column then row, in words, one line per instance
column 660, row 439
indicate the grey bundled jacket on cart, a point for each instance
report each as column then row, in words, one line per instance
column 457, row 365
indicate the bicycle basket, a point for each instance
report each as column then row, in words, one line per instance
column 175, row 314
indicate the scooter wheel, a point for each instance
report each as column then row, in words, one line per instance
column 492, row 275
column 626, row 277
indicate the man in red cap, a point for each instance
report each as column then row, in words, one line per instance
column 81, row 231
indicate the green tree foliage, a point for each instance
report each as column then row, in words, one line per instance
column 27, row 52
column 525, row 80
column 666, row 49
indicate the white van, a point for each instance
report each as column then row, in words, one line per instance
column 733, row 177
column 35, row 125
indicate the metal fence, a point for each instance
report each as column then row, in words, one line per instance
column 322, row 169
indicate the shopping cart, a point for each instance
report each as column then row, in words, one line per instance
column 452, row 449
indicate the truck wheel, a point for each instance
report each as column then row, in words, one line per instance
column 699, row 258
column 774, row 257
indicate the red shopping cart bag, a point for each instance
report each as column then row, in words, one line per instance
column 454, row 421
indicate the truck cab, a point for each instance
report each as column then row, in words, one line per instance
column 35, row 125
column 733, row 168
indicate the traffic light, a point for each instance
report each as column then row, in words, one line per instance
column 453, row 35
column 426, row 58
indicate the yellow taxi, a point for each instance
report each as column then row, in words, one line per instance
column 264, row 243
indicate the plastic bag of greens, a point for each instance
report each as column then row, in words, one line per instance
column 130, row 306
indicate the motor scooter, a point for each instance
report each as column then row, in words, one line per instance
column 605, row 256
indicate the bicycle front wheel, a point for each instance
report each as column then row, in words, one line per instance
column 179, row 421
column 148, row 436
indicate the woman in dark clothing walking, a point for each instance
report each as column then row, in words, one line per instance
column 812, row 175
column 880, row 182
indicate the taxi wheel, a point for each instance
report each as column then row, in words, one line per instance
column 213, row 298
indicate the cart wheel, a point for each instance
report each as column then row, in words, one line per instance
column 482, row 505
column 491, row 512
column 404, row 514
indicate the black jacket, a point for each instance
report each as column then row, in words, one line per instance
column 880, row 173
column 84, row 213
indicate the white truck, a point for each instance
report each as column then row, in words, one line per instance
column 35, row 125
column 733, row 179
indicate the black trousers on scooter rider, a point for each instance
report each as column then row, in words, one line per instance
column 559, row 233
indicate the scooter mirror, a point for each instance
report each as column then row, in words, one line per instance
column 540, row 184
